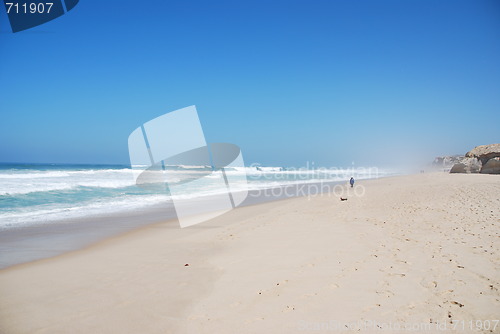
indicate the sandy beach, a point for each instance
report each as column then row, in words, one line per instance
column 420, row 251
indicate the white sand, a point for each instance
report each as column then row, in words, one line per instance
column 421, row 249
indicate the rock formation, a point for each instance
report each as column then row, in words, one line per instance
column 492, row 166
column 447, row 161
column 484, row 152
column 483, row 159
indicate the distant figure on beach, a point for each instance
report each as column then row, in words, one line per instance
column 351, row 181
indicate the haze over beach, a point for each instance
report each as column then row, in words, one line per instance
column 251, row 167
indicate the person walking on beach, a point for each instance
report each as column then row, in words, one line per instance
column 351, row 181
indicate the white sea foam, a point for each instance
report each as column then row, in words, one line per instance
column 14, row 188
column 15, row 183
column 34, row 196
column 58, row 212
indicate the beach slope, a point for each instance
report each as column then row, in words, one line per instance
column 418, row 250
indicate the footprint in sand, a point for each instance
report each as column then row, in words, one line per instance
column 333, row 286
column 428, row 284
column 386, row 293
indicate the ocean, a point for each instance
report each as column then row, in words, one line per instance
column 33, row 194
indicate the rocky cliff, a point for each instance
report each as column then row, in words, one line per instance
column 483, row 159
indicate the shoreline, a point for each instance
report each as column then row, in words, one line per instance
column 29, row 243
column 415, row 249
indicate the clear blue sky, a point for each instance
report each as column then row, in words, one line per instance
column 288, row 81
